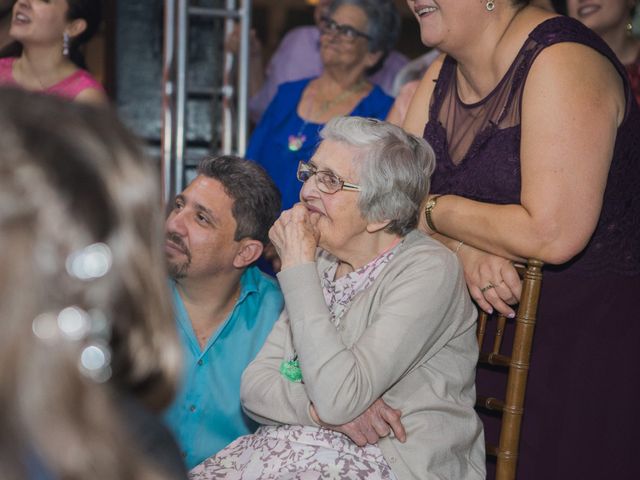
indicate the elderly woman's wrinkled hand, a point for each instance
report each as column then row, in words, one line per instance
column 492, row 280
column 377, row 421
column 295, row 236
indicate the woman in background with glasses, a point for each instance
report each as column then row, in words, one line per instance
column 369, row 372
column 356, row 35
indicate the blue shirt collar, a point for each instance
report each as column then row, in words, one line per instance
column 249, row 284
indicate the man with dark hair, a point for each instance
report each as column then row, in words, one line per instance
column 225, row 306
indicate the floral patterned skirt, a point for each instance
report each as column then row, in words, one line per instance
column 294, row 452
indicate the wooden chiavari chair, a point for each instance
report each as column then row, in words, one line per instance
column 516, row 366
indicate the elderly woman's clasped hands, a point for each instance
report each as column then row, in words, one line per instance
column 295, row 236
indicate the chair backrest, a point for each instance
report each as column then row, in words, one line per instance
column 515, row 365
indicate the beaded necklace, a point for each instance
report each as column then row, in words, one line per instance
column 296, row 141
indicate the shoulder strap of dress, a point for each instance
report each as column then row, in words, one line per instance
column 564, row 29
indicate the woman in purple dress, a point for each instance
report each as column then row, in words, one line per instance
column 538, row 155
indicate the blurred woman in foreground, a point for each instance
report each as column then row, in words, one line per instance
column 88, row 350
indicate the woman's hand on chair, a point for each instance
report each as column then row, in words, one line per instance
column 492, row 280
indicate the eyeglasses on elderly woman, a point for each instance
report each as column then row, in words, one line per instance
column 327, row 182
column 346, row 32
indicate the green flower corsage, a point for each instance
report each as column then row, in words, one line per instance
column 290, row 369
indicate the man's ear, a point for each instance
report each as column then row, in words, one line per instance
column 248, row 252
column 373, row 227
column 76, row 27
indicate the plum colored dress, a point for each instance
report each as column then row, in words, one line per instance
column 68, row 87
column 581, row 414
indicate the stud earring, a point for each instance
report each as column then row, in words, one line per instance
column 629, row 29
column 490, row 5
column 65, row 44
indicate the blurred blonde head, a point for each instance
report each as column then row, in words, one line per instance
column 72, row 177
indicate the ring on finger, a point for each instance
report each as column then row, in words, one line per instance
column 487, row 287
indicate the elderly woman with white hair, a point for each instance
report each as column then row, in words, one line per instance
column 369, row 372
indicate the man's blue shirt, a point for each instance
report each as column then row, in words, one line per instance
column 206, row 415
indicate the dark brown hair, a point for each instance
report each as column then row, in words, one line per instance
column 256, row 199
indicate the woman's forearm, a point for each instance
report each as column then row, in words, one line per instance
column 510, row 231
